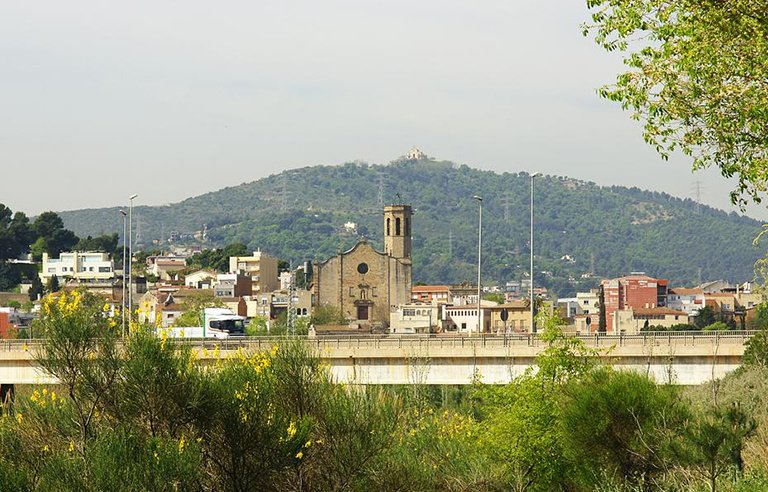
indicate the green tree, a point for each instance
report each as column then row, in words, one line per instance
column 694, row 78
column 622, row 421
column 756, row 350
column 712, row 442
column 704, row 317
column 53, row 284
column 520, row 426
column 15, row 234
column 327, row 315
column 603, row 326
column 106, row 243
column 716, row 326
column 36, row 290
column 496, row 297
column 53, row 237
column 9, row 276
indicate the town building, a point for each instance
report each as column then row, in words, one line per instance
column 232, row 285
column 634, row 320
column 518, row 317
column 568, row 307
column 366, row 284
column 724, row 303
column 588, row 302
column 261, row 267
column 160, row 307
column 431, row 293
column 465, row 291
column 464, row 319
column 636, row 290
column 82, row 267
column 686, row 300
column 201, row 279
column 165, row 267
column 715, row 286
column 416, row 317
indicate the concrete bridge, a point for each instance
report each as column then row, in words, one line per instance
column 686, row 358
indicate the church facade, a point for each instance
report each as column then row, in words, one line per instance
column 366, row 284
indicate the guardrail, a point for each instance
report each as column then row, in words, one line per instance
column 595, row 340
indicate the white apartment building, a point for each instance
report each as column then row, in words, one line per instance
column 414, row 318
column 686, row 300
column 83, row 267
column 588, row 302
column 463, row 319
column 262, row 269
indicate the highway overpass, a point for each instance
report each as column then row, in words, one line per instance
column 686, row 358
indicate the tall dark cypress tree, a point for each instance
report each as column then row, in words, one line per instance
column 36, row 289
column 602, row 328
column 53, row 284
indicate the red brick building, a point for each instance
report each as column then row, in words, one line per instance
column 636, row 290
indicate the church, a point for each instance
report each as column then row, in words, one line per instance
column 366, row 284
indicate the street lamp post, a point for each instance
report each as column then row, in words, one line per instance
column 122, row 300
column 479, row 258
column 130, row 252
column 530, row 286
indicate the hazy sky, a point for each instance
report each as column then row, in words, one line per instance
column 172, row 99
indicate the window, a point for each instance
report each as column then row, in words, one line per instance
column 464, row 326
column 388, row 233
column 373, row 291
column 397, row 226
column 363, row 294
column 407, row 226
column 362, row 268
column 104, row 269
column 351, row 292
column 409, row 312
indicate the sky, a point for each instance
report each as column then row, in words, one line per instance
column 171, row 99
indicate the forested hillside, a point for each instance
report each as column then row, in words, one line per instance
column 299, row 215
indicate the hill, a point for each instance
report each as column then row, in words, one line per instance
column 580, row 226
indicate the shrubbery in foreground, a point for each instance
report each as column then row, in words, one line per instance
column 146, row 415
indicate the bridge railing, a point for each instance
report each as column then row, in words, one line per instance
column 427, row 341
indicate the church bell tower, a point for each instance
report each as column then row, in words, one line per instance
column 397, row 231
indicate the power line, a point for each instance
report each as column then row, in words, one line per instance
column 381, row 191
column 284, row 198
column 696, row 189
column 507, row 198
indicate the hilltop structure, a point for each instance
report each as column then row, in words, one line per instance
column 366, row 284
